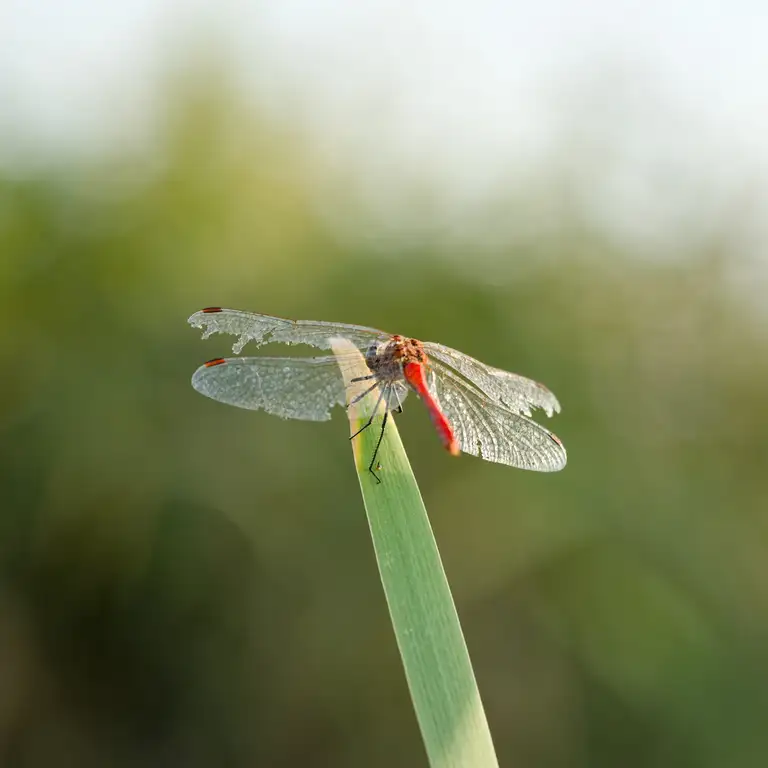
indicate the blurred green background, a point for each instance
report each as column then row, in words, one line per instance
column 187, row 584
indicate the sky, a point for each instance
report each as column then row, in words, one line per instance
column 468, row 94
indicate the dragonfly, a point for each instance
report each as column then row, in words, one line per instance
column 475, row 408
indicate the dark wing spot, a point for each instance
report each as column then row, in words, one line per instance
column 210, row 310
column 215, row 361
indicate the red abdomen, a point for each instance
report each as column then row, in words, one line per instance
column 414, row 375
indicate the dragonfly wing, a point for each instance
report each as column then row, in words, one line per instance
column 263, row 329
column 514, row 392
column 304, row 388
column 487, row 429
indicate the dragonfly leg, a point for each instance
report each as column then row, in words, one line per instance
column 363, row 378
column 373, row 414
column 378, row 445
column 399, row 402
column 359, row 397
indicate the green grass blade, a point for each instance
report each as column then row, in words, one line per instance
column 432, row 647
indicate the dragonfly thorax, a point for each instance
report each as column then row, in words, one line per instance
column 387, row 358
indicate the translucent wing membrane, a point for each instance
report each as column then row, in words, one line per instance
column 305, row 388
column 263, row 329
column 487, row 429
column 295, row 388
column 516, row 393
